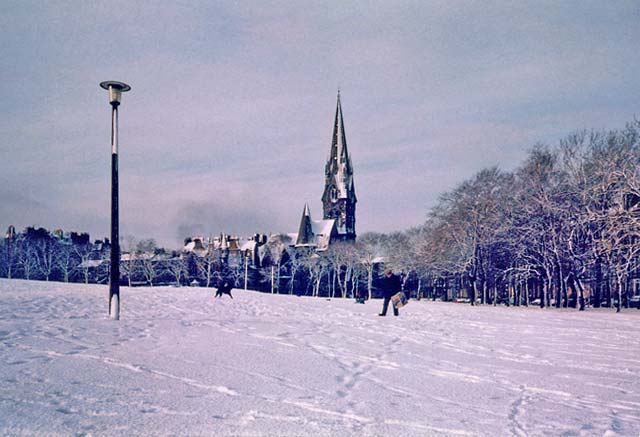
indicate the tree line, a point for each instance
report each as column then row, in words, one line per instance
column 560, row 230
column 276, row 267
column 36, row 253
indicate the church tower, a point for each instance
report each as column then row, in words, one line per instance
column 339, row 198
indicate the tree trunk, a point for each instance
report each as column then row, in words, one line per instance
column 354, row 285
column 484, row 292
column 346, row 282
column 580, row 296
column 272, row 278
column 473, row 292
column 619, row 287
column 333, row 283
column 278, row 277
column 558, row 287
column 626, row 294
column 598, row 286
column 293, row 275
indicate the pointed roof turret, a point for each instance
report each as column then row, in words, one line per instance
column 305, row 231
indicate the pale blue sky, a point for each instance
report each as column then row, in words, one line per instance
column 228, row 125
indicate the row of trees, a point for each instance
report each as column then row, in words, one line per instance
column 563, row 230
column 37, row 253
column 343, row 270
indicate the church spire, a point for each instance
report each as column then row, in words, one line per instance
column 339, row 151
column 339, row 196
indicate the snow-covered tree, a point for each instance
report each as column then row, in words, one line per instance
column 276, row 248
column 65, row 259
column 370, row 248
column 177, row 268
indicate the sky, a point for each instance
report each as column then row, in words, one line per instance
column 228, row 124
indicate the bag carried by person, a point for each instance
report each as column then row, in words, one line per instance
column 399, row 300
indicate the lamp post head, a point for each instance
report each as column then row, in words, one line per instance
column 115, row 89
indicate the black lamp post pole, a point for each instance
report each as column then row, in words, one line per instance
column 114, row 282
column 115, row 94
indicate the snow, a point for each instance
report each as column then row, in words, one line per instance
column 91, row 263
column 181, row 362
column 249, row 245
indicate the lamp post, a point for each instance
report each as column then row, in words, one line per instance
column 115, row 94
column 9, row 238
column 246, row 269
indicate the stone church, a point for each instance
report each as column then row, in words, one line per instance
column 338, row 199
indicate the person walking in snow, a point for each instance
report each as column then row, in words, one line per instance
column 390, row 285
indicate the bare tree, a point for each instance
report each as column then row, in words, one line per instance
column 129, row 259
column 145, row 253
column 297, row 257
column 83, row 252
column 316, row 265
column 336, row 257
column 177, row 268
column 370, row 246
column 277, row 248
column 236, row 272
column 469, row 222
column 65, row 260
column 207, row 264
column 45, row 252
column 27, row 257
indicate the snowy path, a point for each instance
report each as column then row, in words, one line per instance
column 181, row 362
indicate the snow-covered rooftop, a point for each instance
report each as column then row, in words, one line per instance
column 92, row 263
column 249, row 245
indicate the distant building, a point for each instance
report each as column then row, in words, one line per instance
column 229, row 249
column 338, row 204
column 339, row 197
column 317, row 234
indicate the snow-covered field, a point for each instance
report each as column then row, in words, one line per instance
column 181, row 362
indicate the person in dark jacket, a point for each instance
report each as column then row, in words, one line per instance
column 224, row 288
column 390, row 285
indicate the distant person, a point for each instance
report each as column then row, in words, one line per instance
column 360, row 297
column 224, row 288
column 390, row 285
